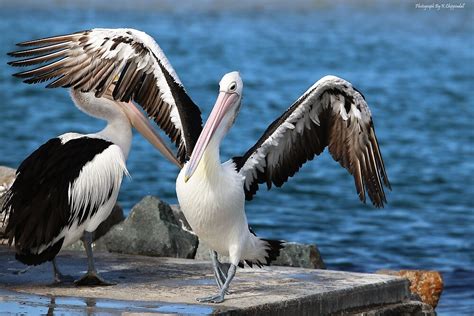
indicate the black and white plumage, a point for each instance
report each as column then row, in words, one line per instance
column 94, row 59
column 212, row 195
column 63, row 188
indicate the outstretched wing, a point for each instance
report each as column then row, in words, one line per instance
column 330, row 114
column 92, row 60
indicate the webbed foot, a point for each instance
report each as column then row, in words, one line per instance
column 211, row 299
column 92, row 279
column 223, row 289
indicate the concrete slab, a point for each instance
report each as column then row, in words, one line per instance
column 168, row 285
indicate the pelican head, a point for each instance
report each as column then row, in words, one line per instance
column 220, row 120
column 107, row 107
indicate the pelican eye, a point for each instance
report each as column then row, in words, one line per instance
column 232, row 86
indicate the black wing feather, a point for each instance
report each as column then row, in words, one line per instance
column 330, row 114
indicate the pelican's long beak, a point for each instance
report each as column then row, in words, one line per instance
column 143, row 126
column 224, row 102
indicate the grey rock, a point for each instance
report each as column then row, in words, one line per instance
column 292, row 255
column 3, row 222
column 151, row 229
column 7, row 175
column 300, row 255
column 79, row 246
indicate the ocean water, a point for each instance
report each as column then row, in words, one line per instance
column 414, row 66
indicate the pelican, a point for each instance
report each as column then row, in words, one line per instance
column 70, row 184
column 212, row 195
column 331, row 113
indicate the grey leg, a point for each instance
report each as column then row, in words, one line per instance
column 220, row 269
column 58, row 277
column 91, row 278
column 220, row 297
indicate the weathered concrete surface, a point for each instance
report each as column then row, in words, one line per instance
column 166, row 285
column 411, row 308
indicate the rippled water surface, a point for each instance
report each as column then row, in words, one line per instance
column 414, row 67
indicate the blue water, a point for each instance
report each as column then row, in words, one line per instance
column 415, row 68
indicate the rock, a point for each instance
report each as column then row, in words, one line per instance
column 3, row 223
column 292, row 255
column 427, row 286
column 114, row 218
column 300, row 255
column 7, row 176
column 151, row 229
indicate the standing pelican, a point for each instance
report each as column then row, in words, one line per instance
column 212, row 195
column 70, row 184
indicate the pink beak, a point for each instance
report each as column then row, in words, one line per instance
column 143, row 126
column 224, row 102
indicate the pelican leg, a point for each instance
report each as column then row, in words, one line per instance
column 220, row 270
column 91, row 278
column 58, row 277
column 219, row 298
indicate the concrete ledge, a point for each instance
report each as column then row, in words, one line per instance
column 167, row 285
